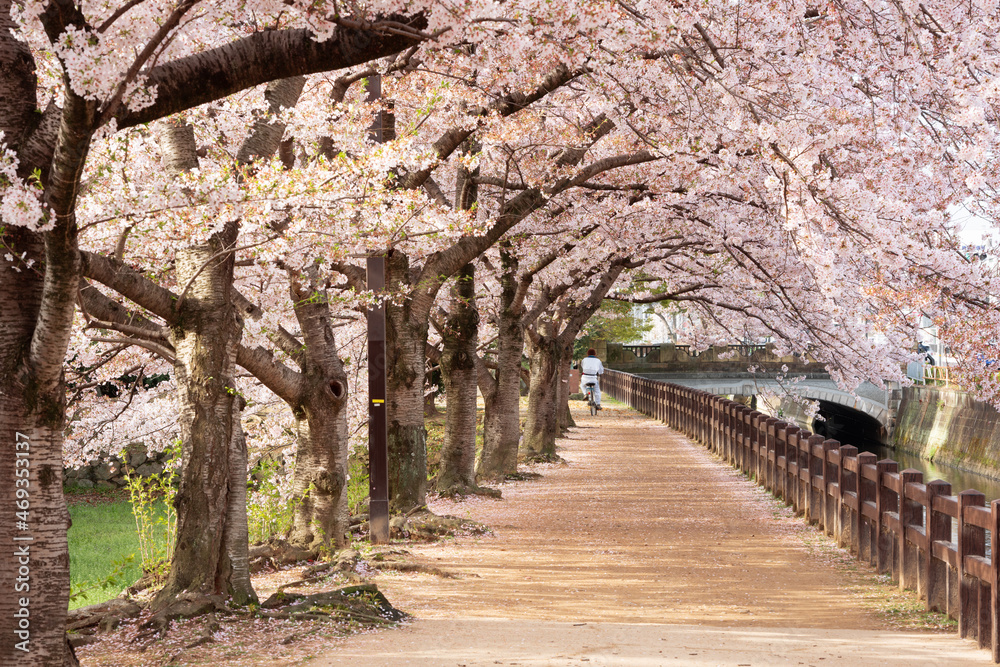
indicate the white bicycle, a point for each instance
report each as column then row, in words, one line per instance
column 590, row 397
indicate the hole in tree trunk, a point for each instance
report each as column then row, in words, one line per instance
column 337, row 388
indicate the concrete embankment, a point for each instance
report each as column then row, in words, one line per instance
column 949, row 427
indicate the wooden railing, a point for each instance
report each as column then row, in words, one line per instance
column 888, row 518
column 937, row 375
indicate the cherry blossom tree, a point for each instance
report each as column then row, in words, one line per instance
column 499, row 368
column 56, row 50
column 806, row 154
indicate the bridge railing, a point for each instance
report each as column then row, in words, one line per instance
column 937, row 375
column 888, row 518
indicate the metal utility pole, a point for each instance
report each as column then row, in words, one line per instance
column 378, row 455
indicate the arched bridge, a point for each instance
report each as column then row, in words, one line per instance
column 725, row 371
column 868, row 399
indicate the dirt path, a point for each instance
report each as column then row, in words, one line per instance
column 642, row 550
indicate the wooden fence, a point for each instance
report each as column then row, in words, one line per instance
column 887, row 517
column 939, row 376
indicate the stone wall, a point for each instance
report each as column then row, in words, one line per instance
column 107, row 472
column 948, row 426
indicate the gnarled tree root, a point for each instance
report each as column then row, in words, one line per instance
column 427, row 526
column 344, row 562
column 82, row 623
column 363, row 603
column 276, row 552
column 463, row 490
column 522, row 476
column 543, row 458
column 185, row 605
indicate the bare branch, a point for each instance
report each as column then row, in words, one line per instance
column 155, row 348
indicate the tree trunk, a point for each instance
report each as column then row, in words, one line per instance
column 542, row 427
column 430, row 407
column 317, row 397
column 405, row 353
column 236, row 538
column 211, row 519
column 551, row 350
column 562, row 399
column 34, row 572
column 501, row 417
column 320, row 477
column 458, row 370
column 37, row 306
column 319, row 481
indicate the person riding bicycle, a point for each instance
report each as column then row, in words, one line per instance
column 590, row 368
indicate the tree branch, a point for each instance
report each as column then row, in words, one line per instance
column 155, row 348
column 276, row 376
column 132, row 285
column 261, row 57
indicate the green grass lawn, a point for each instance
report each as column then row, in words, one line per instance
column 102, row 534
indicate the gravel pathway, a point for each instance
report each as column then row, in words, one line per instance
column 643, row 549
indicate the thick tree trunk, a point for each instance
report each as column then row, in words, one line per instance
column 34, row 571
column 501, row 417
column 236, row 538
column 562, row 399
column 542, row 427
column 405, row 352
column 317, row 396
column 319, row 481
column 37, row 305
column 211, row 500
column 320, row 477
column 458, row 370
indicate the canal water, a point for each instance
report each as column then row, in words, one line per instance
column 960, row 480
column 861, row 435
column 857, row 432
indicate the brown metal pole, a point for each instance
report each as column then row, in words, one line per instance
column 374, row 88
column 378, row 458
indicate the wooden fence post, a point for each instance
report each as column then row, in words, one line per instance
column 706, row 419
column 794, row 455
column 702, row 418
column 867, row 501
column 971, row 542
column 831, row 488
column 747, row 446
column 690, row 413
column 911, row 515
column 938, row 528
column 783, row 457
column 814, row 468
column 674, row 421
column 848, row 519
column 717, row 424
column 767, row 453
column 680, row 397
column 886, row 501
column 727, row 429
column 685, row 422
